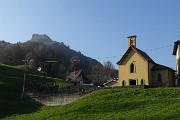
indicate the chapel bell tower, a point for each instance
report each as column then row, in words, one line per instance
column 132, row 40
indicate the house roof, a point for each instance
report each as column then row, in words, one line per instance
column 175, row 47
column 138, row 51
column 108, row 82
column 74, row 75
column 159, row 67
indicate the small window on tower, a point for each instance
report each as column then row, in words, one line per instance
column 131, row 42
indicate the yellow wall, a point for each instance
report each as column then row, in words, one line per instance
column 151, row 65
column 164, row 76
column 141, row 69
column 168, row 77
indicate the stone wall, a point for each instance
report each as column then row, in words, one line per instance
column 54, row 100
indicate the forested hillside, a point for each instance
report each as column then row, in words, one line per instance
column 41, row 50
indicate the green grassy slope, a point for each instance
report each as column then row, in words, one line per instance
column 115, row 104
column 11, row 81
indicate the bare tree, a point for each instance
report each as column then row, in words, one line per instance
column 110, row 69
column 109, row 65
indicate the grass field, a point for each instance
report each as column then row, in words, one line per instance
column 115, row 104
column 11, row 82
column 107, row 104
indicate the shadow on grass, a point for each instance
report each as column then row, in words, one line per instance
column 17, row 107
column 10, row 98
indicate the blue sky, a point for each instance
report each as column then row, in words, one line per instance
column 97, row 28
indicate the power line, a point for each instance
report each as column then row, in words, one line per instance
column 158, row 48
column 154, row 49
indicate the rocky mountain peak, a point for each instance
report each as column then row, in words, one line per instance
column 42, row 38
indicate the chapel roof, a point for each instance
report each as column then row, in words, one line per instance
column 146, row 56
column 159, row 67
column 140, row 52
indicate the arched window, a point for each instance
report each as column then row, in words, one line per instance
column 123, row 83
column 142, row 82
column 159, row 78
column 132, row 68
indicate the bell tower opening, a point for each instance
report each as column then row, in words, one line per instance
column 132, row 40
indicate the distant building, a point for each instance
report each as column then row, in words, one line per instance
column 77, row 78
column 176, row 52
column 112, row 82
column 137, row 68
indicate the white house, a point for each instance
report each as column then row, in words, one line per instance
column 176, row 52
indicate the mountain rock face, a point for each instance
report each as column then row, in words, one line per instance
column 42, row 38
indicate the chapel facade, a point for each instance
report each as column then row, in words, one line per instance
column 137, row 68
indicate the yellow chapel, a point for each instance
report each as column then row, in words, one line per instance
column 137, row 68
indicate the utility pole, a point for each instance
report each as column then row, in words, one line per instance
column 23, row 89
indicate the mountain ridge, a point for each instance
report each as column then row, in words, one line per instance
column 41, row 48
